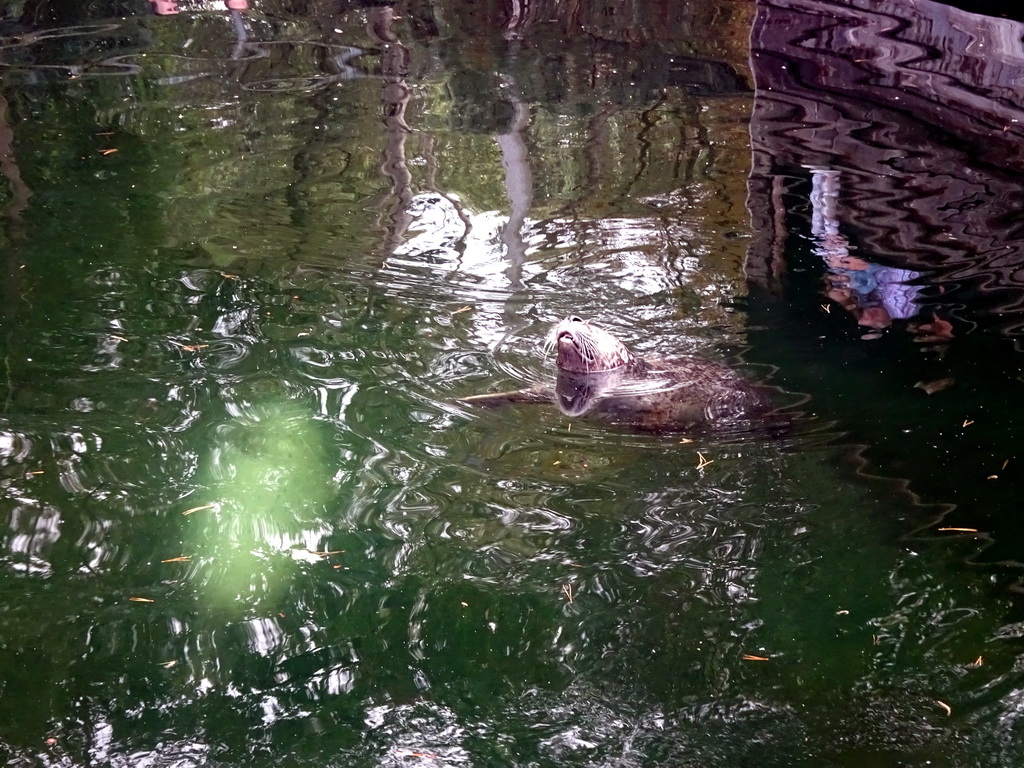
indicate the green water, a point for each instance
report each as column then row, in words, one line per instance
column 247, row 521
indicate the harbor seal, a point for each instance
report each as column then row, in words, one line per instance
column 598, row 375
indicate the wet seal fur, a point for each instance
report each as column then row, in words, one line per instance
column 598, row 375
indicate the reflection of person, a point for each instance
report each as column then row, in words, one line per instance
column 170, row 7
column 164, row 7
column 235, row 8
column 874, row 294
column 882, row 294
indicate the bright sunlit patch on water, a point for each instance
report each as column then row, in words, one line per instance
column 271, row 473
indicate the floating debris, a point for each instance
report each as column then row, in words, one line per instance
column 190, row 347
column 198, row 509
column 326, row 552
column 937, row 385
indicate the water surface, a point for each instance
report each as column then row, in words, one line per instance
column 252, row 262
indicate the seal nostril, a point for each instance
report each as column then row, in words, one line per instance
column 575, row 319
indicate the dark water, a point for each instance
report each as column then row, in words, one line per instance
column 251, row 264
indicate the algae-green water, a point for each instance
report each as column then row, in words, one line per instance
column 247, row 521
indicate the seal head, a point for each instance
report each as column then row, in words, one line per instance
column 584, row 348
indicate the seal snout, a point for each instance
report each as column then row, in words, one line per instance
column 584, row 348
column 567, row 333
column 567, row 344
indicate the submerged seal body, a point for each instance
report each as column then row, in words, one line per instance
column 598, row 375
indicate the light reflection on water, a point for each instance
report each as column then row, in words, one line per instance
column 372, row 574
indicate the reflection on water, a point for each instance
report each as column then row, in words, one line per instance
column 873, row 293
column 907, row 151
column 249, row 273
column 921, row 122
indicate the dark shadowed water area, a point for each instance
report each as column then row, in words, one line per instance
column 252, row 260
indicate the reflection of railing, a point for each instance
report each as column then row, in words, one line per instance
column 85, row 51
column 918, row 104
column 31, row 38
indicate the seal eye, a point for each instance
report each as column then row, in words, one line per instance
column 575, row 319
